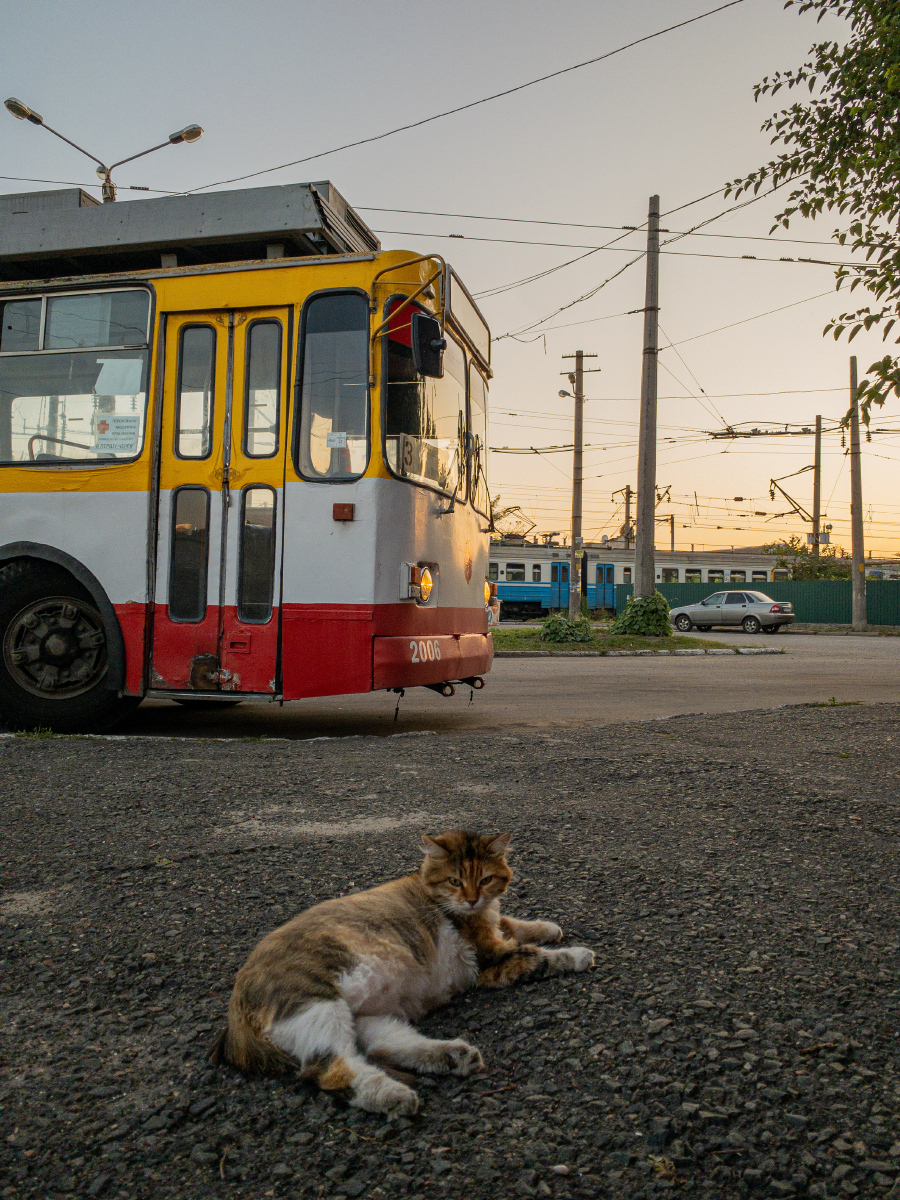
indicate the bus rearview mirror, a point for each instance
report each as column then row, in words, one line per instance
column 428, row 345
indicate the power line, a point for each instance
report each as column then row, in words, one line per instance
column 745, row 320
column 471, row 104
column 742, row 237
column 616, row 250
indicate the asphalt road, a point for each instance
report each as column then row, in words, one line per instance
column 535, row 693
column 737, row 1040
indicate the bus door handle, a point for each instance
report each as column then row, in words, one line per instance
column 238, row 643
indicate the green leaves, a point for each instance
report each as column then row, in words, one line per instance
column 561, row 629
column 842, row 150
column 645, row 616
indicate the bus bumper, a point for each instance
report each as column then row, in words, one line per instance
column 410, row 662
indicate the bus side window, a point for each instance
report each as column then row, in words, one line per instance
column 262, row 389
column 334, row 441
column 190, row 554
column 257, row 562
column 194, row 397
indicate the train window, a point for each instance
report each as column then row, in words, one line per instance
column 693, row 575
column 670, row 575
column 256, row 572
column 492, row 571
column 781, row 573
column 759, row 576
column 536, row 573
column 334, row 441
column 713, row 576
column 478, row 486
column 738, row 577
column 262, row 389
column 515, row 572
column 424, row 418
column 626, row 574
column 194, row 394
column 190, row 554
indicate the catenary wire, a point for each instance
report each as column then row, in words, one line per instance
column 472, row 103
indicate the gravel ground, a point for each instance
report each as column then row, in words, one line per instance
column 735, row 875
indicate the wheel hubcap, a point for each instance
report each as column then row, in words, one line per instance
column 56, row 648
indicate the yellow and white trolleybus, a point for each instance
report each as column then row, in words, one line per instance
column 242, row 456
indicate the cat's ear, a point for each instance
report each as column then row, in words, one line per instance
column 432, row 848
column 499, row 844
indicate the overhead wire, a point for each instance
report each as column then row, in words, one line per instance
column 471, row 104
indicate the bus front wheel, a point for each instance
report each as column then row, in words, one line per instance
column 53, row 654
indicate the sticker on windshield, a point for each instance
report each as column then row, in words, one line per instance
column 336, row 441
column 116, row 433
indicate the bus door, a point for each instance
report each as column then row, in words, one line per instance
column 219, row 519
column 559, row 585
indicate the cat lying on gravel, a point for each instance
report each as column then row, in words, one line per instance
column 332, row 992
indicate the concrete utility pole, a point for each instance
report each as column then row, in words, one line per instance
column 628, row 531
column 644, row 557
column 576, row 378
column 817, row 489
column 856, row 509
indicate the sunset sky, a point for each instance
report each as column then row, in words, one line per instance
column 583, row 152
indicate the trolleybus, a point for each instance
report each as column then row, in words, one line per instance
column 242, row 456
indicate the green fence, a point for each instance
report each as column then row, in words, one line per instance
column 829, row 601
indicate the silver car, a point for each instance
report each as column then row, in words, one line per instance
column 753, row 611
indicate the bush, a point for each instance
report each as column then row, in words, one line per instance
column 561, row 629
column 645, row 616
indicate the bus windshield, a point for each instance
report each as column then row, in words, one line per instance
column 68, row 390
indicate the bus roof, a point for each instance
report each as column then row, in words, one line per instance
column 45, row 235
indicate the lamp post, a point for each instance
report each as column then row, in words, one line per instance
column 190, row 133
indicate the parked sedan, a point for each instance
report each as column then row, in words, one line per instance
column 753, row 611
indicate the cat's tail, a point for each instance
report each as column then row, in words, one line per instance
column 240, row 1046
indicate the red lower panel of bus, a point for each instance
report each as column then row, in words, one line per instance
column 327, row 649
column 188, row 656
column 338, row 649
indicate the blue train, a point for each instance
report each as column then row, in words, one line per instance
column 535, row 585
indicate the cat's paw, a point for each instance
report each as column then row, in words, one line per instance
column 581, row 958
column 572, row 958
column 385, row 1095
column 462, row 1058
column 548, row 933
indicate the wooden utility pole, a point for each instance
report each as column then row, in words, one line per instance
column 576, row 378
column 817, row 489
column 645, row 540
column 856, row 510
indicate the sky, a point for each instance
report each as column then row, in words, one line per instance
column 272, row 81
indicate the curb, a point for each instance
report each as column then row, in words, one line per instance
column 631, row 653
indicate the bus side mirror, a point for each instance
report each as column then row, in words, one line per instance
column 428, row 345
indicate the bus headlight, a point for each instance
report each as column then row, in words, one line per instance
column 487, row 594
column 426, row 583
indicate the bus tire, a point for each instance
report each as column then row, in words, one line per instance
column 53, row 654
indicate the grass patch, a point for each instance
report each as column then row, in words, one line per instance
column 832, row 703
column 40, row 732
column 527, row 639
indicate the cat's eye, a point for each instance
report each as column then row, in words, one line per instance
column 486, row 879
column 455, row 882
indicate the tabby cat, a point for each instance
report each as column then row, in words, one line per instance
column 332, row 992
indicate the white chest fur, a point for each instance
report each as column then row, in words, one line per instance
column 401, row 987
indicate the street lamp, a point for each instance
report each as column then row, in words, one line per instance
column 190, row 133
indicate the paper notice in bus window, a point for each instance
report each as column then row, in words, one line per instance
column 116, row 433
column 119, row 376
column 336, row 441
